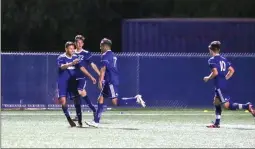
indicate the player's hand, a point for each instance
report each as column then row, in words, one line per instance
column 206, row 79
column 76, row 61
column 94, row 81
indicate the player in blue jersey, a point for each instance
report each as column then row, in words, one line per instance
column 108, row 82
column 85, row 58
column 66, row 78
column 68, row 65
column 221, row 71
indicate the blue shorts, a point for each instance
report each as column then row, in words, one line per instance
column 81, row 84
column 68, row 89
column 222, row 95
column 109, row 91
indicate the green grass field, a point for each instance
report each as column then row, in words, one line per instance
column 140, row 129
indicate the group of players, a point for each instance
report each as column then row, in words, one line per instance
column 73, row 75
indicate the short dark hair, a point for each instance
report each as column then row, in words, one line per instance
column 214, row 46
column 69, row 43
column 79, row 37
column 106, row 41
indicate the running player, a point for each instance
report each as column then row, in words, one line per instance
column 109, row 81
column 221, row 71
column 85, row 58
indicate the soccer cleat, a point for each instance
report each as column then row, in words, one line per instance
column 79, row 124
column 251, row 109
column 75, row 118
column 92, row 124
column 140, row 100
column 71, row 122
column 213, row 126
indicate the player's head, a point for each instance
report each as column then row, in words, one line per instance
column 105, row 44
column 79, row 41
column 214, row 47
column 69, row 47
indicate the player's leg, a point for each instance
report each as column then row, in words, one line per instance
column 100, row 107
column 62, row 100
column 218, row 111
column 98, row 113
column 74, row 95
column 62, row 96
column 77, row 104
column 113, row 94
column 82, row 92
column 229, row 105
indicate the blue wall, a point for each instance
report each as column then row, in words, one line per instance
column 187, row 35
column 164, row 79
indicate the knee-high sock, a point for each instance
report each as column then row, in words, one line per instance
column 98, row 112
column 126, row 101
column 235, row 106
column 218, row 111
column 89, row 103
column 66, row 111
column 78, row 112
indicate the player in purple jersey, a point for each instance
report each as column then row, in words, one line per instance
column 66, row 78
column 68, row 63
column 109, row 81
column 85, row 58
column 221, row 71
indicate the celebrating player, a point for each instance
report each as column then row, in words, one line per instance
column 85, row 58
column 66, row 78
column 109, row 81
column 221, row 71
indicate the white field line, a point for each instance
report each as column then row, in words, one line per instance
column 124, row 114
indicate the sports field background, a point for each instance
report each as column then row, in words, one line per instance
column 128, row 128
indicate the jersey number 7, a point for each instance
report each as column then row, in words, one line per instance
column 114, row 61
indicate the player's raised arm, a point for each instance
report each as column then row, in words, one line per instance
column 230, row 73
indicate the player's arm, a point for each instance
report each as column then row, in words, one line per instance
column 63, row 65
column 94, row 67
column 101, row 77
column 214, row 71
column 213, row 74
column 86, row 72
column 230, row 73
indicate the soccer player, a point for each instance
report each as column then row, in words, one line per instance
column 221, row 71
column 85, row 58
column 66, row 78
column 109, row 81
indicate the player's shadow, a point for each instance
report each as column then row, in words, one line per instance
column 121, row 128
column 87, row 127
column 239, row 128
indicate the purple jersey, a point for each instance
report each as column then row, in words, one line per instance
column 109, row 60
column 222, row 65
column 66, row 74
column 85, row 61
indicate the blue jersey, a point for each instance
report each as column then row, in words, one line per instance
column 65, row 74
column 109, row 60
column 85, row 61
column 222, row 65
